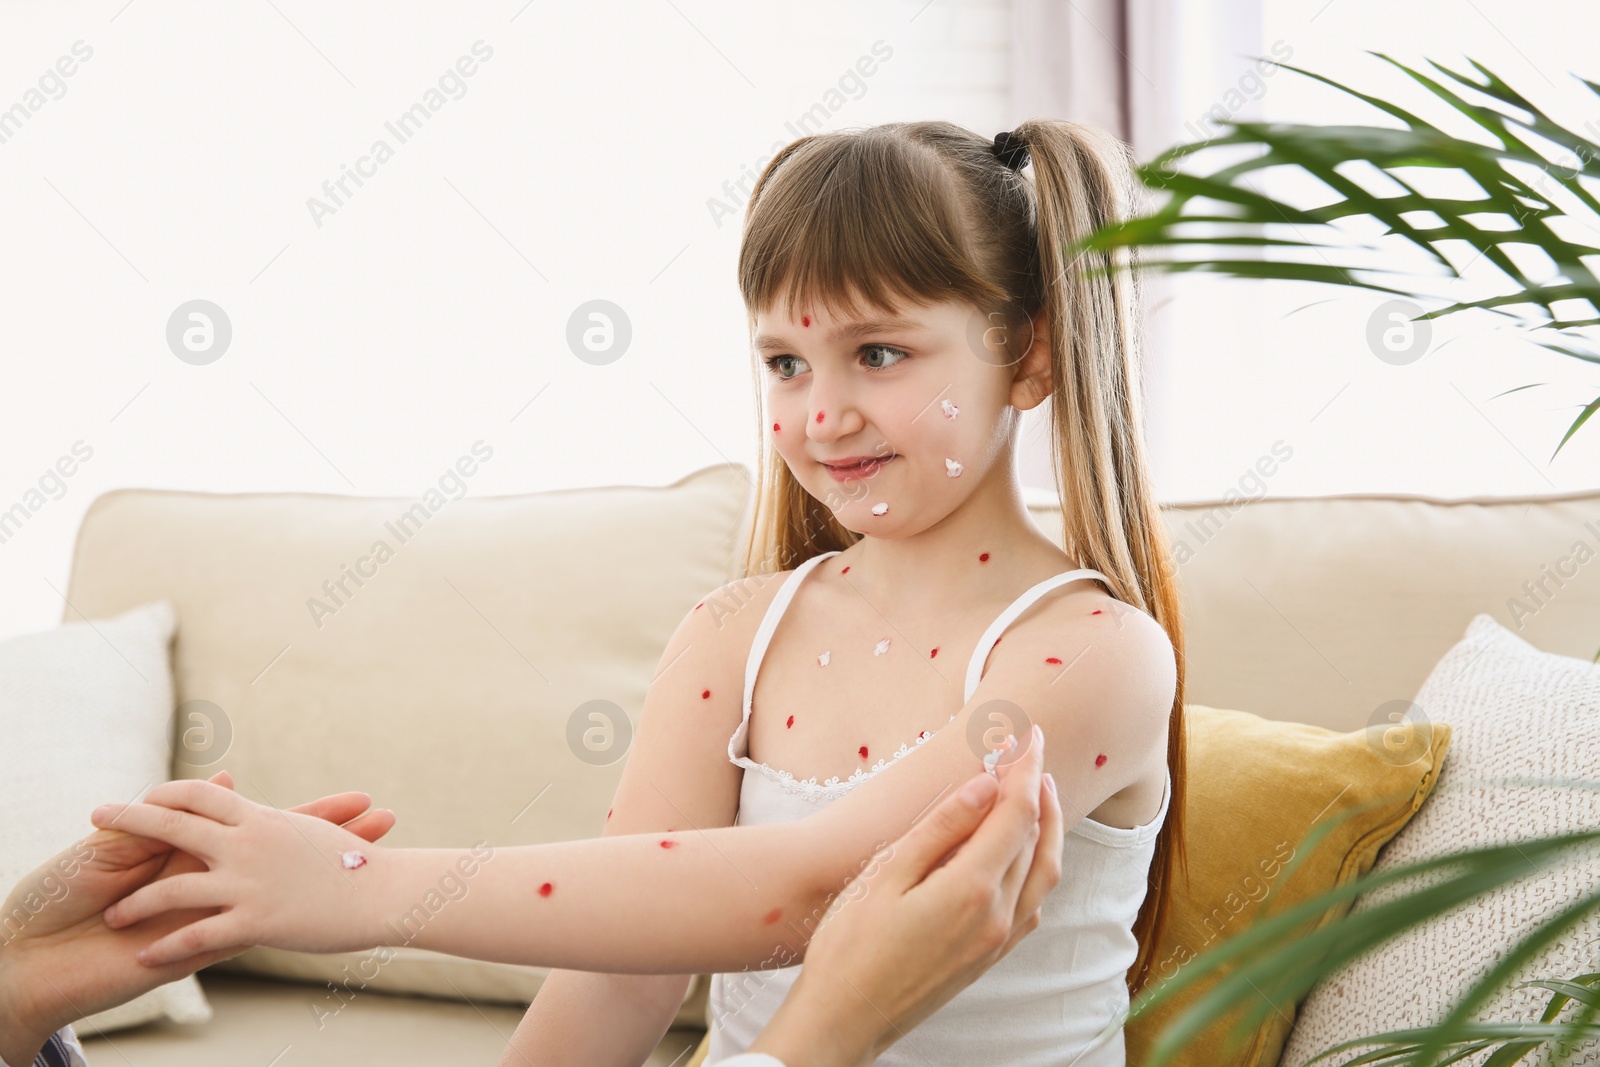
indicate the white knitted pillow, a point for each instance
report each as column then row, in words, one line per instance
column 86, row 719
column 1516, row 712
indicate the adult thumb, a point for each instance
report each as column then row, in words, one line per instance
column 920, row 849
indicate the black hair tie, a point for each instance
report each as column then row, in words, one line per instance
column 1011, row 150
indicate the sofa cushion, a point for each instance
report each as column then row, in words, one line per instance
column 87, row 719
column 446, row 654
column 1324, row 609
column 1523, row 765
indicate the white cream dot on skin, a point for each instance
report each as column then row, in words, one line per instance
column 822, row 660
column 880, row 509
column 953, row 467
column 949, row 409
column 352, row 860
column 881, row 647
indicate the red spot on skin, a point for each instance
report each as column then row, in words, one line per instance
column 1099, row 761
column 608, row 813
column 934, row 653
column 819, row 416
column 984, row 558
column 705, row 695
column 546, row 889
column 1096, row 611
column 772, row 916
column 669, row 844
column 805, row 320
column 1051, row 659
column 922, row 733
column 845, row 571
column 776, row 427
column 790, row 724
column 997, row 641
column 700, row 605
column 863, row 751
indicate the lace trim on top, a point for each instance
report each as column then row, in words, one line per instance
column 809, row 788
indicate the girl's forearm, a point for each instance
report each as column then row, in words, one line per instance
column 683, row 902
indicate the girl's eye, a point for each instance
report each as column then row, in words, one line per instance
column 867, row 351
column 772, row 366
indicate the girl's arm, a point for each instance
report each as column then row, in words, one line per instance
column 677, row 776
column 713, row 900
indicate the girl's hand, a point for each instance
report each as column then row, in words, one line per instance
column 259, row 862
column 64, row 963
column 920, row 924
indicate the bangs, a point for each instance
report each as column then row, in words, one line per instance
column 858, row 223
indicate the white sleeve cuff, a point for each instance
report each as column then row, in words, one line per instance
column 749, row 1059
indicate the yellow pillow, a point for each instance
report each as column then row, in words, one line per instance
column 1256, row 787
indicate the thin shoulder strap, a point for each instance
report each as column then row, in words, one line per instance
column 980, row 655
column 769, row 623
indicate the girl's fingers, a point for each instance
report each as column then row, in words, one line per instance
column 215, row 802
column 195, row 890
column 372, row 825
column 180, row 829
column 218, row 933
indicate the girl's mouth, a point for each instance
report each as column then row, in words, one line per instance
column 865, row 469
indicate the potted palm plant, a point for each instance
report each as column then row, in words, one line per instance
column 1221, row 221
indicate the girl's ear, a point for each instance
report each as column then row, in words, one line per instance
column 1031, row 384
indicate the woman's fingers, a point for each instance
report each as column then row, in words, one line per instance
column 181, row 891
column 219, row 933
column 1007, row 830
column 337, row 808
column 180, row 829
column 372, row 825
column 1044, row 873
column 918, row 851
column 214, row 801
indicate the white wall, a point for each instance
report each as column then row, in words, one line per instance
column 374, row 345
column 1240, row 366
column 429, row 310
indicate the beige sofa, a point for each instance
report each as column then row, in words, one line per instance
column 453, row 675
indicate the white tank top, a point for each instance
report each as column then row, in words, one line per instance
column 1060, row 993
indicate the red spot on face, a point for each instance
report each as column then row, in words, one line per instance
column 819, row 416
column 669, row 844
column 705, row 694
column 846, row 570
column 1099, row 761
column 863, row 751
column 772, row 916
column 805, row 320
column 1096, row 611
column 934, row 653
column 984, row 558
column 1051, row 659
column 790, row 724
column 546, row 889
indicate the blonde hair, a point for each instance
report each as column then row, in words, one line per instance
column 925, row 212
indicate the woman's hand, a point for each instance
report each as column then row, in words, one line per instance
column 63, row 962
column 255, row 858
column 912, row 930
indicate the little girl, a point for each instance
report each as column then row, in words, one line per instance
column 911, row 291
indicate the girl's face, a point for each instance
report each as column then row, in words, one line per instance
column 892, row 420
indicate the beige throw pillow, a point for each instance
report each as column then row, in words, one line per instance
column 1517, row 713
